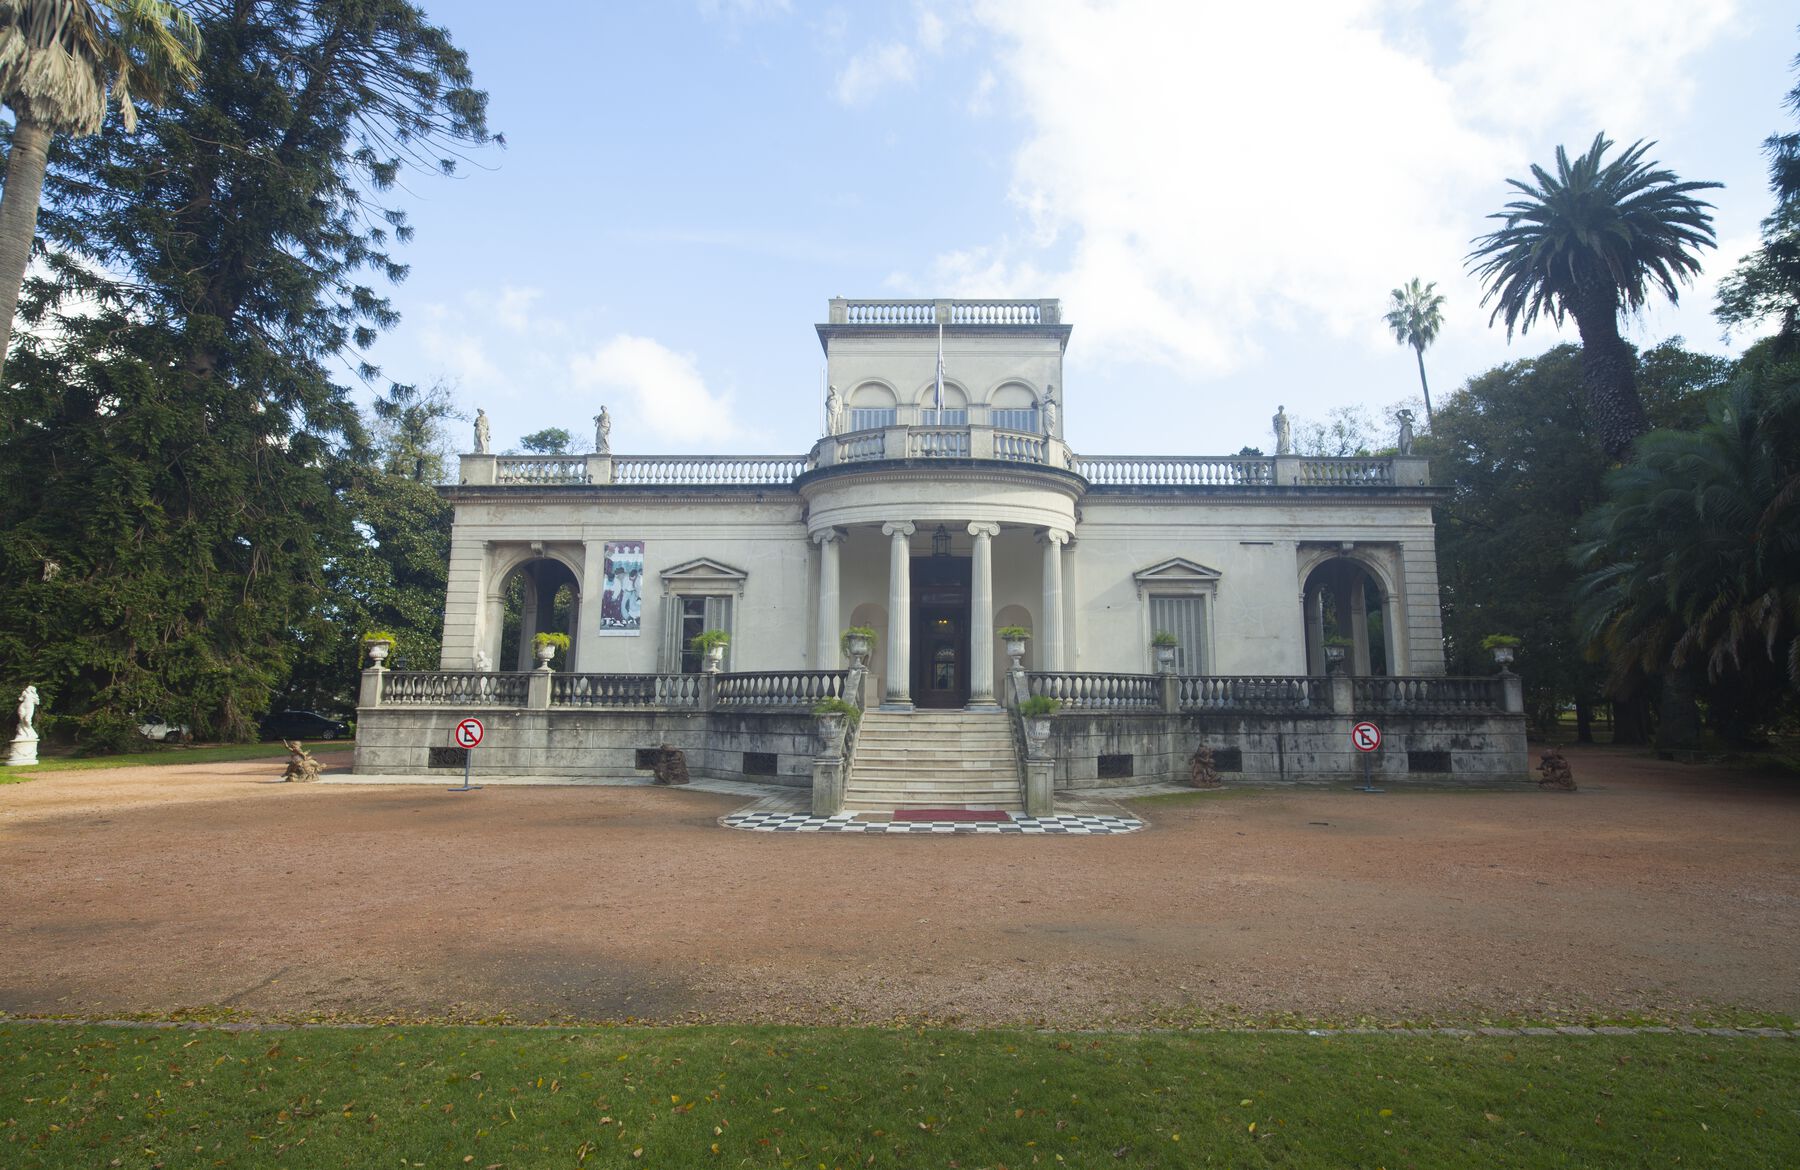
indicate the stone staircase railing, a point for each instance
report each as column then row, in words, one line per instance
column 780, row 688
column 455, row 688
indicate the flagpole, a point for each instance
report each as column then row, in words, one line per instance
column 938, row 404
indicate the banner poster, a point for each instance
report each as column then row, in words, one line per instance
column 622, row 602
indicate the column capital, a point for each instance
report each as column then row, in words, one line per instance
column 898, row 528
column 980, row 528
column 827, row 536
column 1054, row 536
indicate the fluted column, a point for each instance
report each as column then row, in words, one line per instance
column 899, row 659
column 828, row 542
column 981, row 615
column 1051, row 635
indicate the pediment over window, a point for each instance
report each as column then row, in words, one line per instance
column 704, row 575
column 1176, row 575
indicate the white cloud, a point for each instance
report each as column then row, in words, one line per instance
column 654, row 388
column 743, row 10
column 873, row 70
column 513, row 307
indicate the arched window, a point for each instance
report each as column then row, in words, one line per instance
column 956, row 407
column 871, row 406
column 1014, row 408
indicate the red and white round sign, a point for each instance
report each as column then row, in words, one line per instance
column 468, row 733
column 1366, row 737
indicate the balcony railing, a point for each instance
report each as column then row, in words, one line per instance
column 540, row 470
column 678, row 470
column 940, row 312
column 1177, row 470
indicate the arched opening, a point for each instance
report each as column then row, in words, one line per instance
column 956, row 407
column 871, row 405
column 1345, row 606
column 874, row 617
column 1014, row 408
column 539, row 596
column 1010, row 615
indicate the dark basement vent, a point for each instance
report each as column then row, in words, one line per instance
column 447, row 757
column 1115, row 767
column 1427, row 761
column 759, row 763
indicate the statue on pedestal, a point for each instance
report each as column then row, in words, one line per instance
column 1284, row 432
column 1406, row 430
column 484, row 435
column 1050, row 412
column 834, row 411
column 25, row 739
column 603, row 433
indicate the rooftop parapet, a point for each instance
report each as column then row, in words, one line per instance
column 844, row 311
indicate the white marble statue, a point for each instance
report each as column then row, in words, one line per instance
column 834, row 411
column 603, row 433
column 483, row 663
column 1284, row 432
column 1406, row 431
column 25, row 740
column 484, row 435
column 1050, row 419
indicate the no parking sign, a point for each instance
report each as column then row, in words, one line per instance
column 1365, row 737
column 467, row 735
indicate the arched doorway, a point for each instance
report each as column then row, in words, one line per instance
column 1345, row 605
column 538, row 596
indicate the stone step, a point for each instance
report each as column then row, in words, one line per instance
column 939, row 759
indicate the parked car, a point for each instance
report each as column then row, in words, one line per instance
column 301, row 725
column 160, row 730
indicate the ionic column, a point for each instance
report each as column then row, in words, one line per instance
column 828, row 542
column 981, row 615
column 1051, row 636
column 1359, row 624
column 1315, row 629
column 899, row 661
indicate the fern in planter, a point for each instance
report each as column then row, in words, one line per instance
column 1163, row 640
column 560, row 641
column 707, row 640
column 836, row 706
column 1040, row 707
column 1013, row 633
column 858, row 632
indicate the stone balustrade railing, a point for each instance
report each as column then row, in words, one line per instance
column 1177, row 470
column 1346, row 472
column 1092, row 690
column 1255, row 693
column 679, row 470
column 679, row 692
column 540, row 470
column 780, row 688
column 1377, row 694
column 944, row 312
column 859, row 447
column 455, row 688
column 937, row 443
column 1016, row 448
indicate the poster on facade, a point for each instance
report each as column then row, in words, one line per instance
column 622, row 599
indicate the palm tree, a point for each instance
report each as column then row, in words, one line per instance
column 1415, row 315
column 1587, row 242
column 61, row 63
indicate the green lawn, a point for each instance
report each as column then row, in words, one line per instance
column 76, row 1095
column 166, row 754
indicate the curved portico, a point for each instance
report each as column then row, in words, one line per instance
column 949, row 520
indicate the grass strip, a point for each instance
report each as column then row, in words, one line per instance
column 166, row 755
column 80, row 1095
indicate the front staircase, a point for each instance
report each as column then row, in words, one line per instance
column 933, row 759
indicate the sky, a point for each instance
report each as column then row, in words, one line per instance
column 1221, row 195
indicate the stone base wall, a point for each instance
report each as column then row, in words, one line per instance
column 1289, row 749
column 600, row 745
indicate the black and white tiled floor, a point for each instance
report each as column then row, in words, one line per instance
column 1062, row 824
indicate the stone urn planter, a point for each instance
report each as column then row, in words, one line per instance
column 831, row 734
column 544, row 654
column 1037, row 737
column 857, row 647
column 1503, row 656
column 378, row 651
column 1334, row 658
column 715, row 659
column 1015, row 640
column 1165, row 655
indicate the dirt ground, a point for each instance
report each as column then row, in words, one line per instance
column 1659, row 889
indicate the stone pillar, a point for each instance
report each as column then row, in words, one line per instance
column 593, row 595
column 1315, row 630
column 1050, row 638
column 528, row 615
column 1363, row 662
column 981, row 615
column 827, row 652
column 899, row 661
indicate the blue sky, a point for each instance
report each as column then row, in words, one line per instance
column 1221, row 195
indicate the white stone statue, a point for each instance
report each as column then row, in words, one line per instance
column 25, row 740
column 1050, row 413
column 834, row 411
column 1284, row 432
column 603, row 433
column 484, row 435
column 483, row 663
column 1406, row 431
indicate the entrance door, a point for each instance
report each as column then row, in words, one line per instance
column 940, row 635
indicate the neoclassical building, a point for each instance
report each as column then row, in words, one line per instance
column 936, row 524
column 945, row 502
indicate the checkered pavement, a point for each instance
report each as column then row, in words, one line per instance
column 1063, row 825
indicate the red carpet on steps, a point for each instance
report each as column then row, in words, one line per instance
column 951, row 814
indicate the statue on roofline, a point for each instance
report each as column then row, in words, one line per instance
column 484, row 435
column 603, row 432
column 1284, row 432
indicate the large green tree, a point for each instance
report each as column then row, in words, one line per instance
column 1523, row 459
column 1588, row 242
column 1767, row 283
column 1415, row 314
column 62, row 64
column 173, row 451
column 1694, row 557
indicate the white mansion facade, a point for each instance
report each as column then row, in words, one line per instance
column 936, row 521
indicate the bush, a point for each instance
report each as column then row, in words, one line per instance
column 1013, row 633
column 836, row 706
column 1039, row 706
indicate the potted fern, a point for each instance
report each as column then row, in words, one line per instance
column 710, row 645
column 1015, row 638
column 1036, row 712
column 546, row 645
column 1162, row 644
column 859, row 643
column 378, row 644
column 835, row 717
column 1502, row 646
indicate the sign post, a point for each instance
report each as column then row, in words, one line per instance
column 1365, row 737
column 467, row 736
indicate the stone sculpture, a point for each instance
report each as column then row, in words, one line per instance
column 1202, row 772
column 834, row 411
column 484, row 435
column 1406, row 431
column 483, row 662
column 1556, row 771
column 25, row 739
column 301, row 765
column 603, row 433
column 1284, row 432
column 1050, row 413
